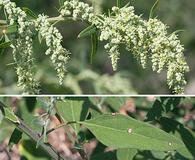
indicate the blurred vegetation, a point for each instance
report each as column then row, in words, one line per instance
column 130, row 77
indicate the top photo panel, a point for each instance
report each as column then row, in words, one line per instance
column 113, row 47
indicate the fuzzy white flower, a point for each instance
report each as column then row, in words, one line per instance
column 22, row 47
column 59, row 55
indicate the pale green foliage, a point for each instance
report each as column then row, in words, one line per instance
column 145, row 39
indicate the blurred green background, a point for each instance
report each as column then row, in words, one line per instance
column 98, row 78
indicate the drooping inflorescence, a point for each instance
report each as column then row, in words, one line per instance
column 146, row 40
column 59, row 55
column 22, row 47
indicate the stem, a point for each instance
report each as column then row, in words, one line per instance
column 59, row 18
column 60, row 126
column 35, row 137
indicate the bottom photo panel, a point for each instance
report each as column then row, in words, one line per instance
column 97, row 128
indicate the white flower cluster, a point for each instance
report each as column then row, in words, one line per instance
column 167, row 52
column 145, row 39
column 22, row 47
column 76, row 9
column 59, row 55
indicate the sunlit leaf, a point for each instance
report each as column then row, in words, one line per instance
column 120, row 131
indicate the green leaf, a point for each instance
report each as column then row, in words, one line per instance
column 153, row 9
column 9, row 114
column 9, row 29
column 120, row 131
column 28, row 150
column 162, row 106
column 15, row 138
column 30, row 103
column 188, row 137
column 104, row 156
column 116, row 102
column 61, row 2
column 7, row 38
column 118, row 3
column 29, row 12
column 158, row 154
column 87, row 31
column 5, row 44
column 40, row 38
column 12, row 29
column 126, row 153
column 94, row 46
column 73, row 110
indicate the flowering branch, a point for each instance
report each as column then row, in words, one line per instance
column 147, row 40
